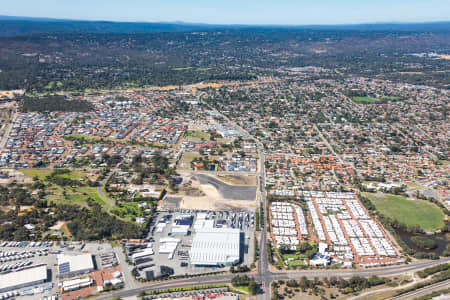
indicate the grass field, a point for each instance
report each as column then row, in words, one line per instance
column 55, row 193
column 185, row 161
column 182, row 69
column 296, row 263
column 392, row 98
column 197, row 135
column 242, row 288
column 294, row 256
column 364, row 100
column 410, row 212
column 128, row 211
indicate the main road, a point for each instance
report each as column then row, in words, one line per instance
column 263, row 265
column 8, row 127
column 267, row 277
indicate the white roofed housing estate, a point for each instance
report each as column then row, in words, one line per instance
column 26, row 277
column 215, row 247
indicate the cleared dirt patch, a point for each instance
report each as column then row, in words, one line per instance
column 201, row 191
column 232, row 192
column 238, row 179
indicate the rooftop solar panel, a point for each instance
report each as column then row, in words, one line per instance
column 64, row 268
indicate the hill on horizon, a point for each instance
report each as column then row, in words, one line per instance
column 15, row 26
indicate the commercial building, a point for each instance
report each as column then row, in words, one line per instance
column 143, row 256
column 26, row 277
column 215, row 247
column 71, row 265
column 75, row 284
column 168, row 245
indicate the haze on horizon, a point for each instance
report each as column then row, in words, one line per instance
column 284, row 12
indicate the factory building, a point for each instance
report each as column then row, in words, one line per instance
column 181, row 225
column 72, row 265
column 143, row 256
column 26, row 277
column 215, row 247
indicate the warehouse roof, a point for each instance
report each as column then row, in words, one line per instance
column 74, row 263
column 215, row 246
column 23, row 277
column 146, row 252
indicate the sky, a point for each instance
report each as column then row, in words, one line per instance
column 283, row 12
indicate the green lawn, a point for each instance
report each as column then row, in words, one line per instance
column 392, row 98
column 296, row 263
column 41, row 173
column 82, row 193
column 294, row 256
column 49, row 86
column 182, row 69
column 364, row 100
column 197, row 135
column 410, row 212
column 128, row 211
column 242, row 288
column 74, row 195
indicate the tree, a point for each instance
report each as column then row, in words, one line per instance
column 252, row 287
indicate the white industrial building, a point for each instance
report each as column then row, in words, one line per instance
column 26, row 277
column 139, row 257
column 215, row 247
column 168, row 245
column 75, row 284
column 71, row 265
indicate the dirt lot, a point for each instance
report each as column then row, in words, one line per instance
column 238, row 179
column 201, row 191
column 232, row 192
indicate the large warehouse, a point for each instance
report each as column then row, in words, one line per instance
column 215, row 247
column 26, row 277
column 71, row 265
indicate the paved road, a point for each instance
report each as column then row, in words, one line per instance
column 108, row 200
column 424, row 291
column 9, row 127
column 126, row 269
column 263, row 265
column 266, row 278
column 325, row 141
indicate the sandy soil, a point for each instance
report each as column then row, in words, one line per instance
column 213, row 201
column 196, row 195
column 58, row 225
column 237, row 179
